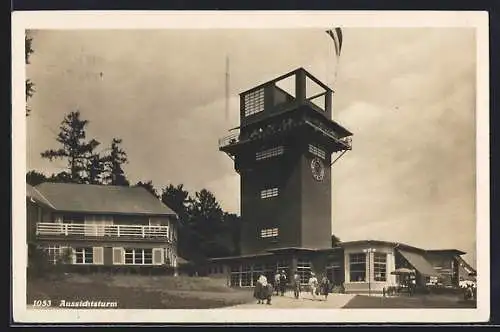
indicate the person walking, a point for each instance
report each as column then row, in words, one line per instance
column 325, row 287
column 258, row 290
column 283, row 282
column 296, row 285
column 313, row 285
column 277, row 278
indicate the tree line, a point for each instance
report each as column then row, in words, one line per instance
column 205, row 229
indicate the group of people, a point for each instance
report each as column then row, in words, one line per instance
column 264, row 290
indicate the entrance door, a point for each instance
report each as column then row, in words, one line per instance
column 334, row 274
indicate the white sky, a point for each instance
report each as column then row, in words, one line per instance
column 407, row 94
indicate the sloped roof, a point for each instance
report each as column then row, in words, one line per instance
column 453, row 252
column 419, row 262
column 401, row 246
column 87, row 198
column 35, row 196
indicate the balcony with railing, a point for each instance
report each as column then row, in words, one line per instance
column 274, row 108
column 108, row 232
column 345, row 143
column 235, row 138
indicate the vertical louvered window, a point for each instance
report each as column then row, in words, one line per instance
column 254, row 102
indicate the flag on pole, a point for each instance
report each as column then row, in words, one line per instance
column 336, row 35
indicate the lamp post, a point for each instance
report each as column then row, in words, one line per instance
column 369, row 251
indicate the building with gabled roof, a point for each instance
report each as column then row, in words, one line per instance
column 102, row 225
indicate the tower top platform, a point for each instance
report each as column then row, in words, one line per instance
column 291, row 100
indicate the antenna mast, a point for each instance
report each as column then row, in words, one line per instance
column 227, row 89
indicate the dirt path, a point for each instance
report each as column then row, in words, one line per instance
column 305, row 301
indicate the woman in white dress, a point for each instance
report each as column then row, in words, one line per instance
column 313, row 285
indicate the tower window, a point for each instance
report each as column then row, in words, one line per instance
column 268, row 193
column 317, row 151
column 254, row 102
column 269, row 153
column 269, row 232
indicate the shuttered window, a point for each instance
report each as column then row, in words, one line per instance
column 118, row 257
column 317, row 151
column 269, row 153
column 254, row 102
column 157, row 256
column 269, row 232
column 98, row 255
column 268, row 193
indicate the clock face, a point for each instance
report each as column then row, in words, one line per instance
column 317, row 169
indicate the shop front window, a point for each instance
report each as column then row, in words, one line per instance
column 357, row 267
column 380, row 266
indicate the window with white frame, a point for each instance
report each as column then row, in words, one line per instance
column 269, row 232
column 268, row 193
column 138, row 256
column 269, row 153
column 235, row 275
column 257, row 271
column 357, row 267
column 254, row 102
column 283, row 265
column 304, row 271
column 84, row 255
column 54, row 253
column 246, row 275
column 317, row 151
column 380, row 266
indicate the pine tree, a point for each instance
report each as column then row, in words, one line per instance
column 30, row 86
column 113, row 162
column 95, row 170
column 75, row 148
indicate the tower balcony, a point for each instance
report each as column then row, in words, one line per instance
column 293, row 104
column 234, row 139
column 231, row 139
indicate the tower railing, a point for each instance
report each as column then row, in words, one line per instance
column 236, row 138
column 229, row 139
column 345, row 141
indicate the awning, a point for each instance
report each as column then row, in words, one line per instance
column 419, row 263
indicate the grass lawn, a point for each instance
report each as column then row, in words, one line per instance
column 138, row 292
column 417, row 301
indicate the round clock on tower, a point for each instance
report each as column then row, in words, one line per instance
column 317, row 169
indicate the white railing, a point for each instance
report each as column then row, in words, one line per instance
column 345, row 141
column 229, row 140
column 138, row 231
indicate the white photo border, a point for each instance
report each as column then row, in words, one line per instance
column 22, row 21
